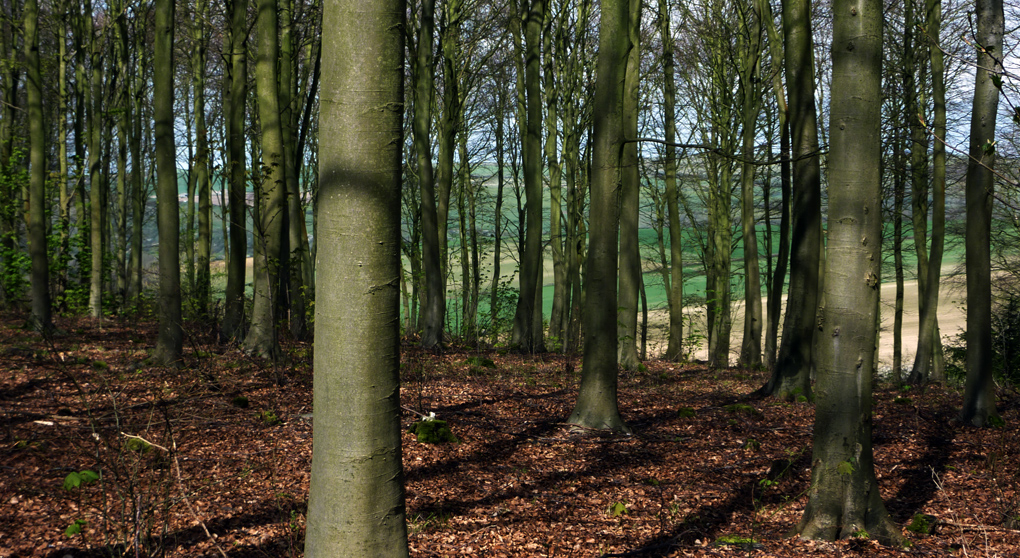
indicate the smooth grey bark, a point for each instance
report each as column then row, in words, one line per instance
column 434, row 310
column 356, row 504
column 203, row 250
column 929, row 363
column 778, row 278
column 750, row 76
column 526, row 336
column 630, row 201
column 791, row 375
column 97, row 193
column 597, row 405
column 135, row 139
column 844, row 499
column 233, row 317
column 979, row 397
column 169, row 345
column 41, row 307
column 674, row 347
column 262, row 338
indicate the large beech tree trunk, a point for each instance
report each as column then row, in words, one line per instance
column 596, row 400
column 169, row 346
column 356, row 506
column 979, row 397
column 844, row 499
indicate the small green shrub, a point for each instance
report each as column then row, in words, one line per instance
column 742, row 409
column 432, row 431
column 686, row 412
column 921, row 524
column 481, row 362
column 240, row 401
column 734, row 540
column 616, row 509
column 269, row 418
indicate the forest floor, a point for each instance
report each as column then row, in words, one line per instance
column 214, row 459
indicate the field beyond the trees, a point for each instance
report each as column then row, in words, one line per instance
column 103, row 454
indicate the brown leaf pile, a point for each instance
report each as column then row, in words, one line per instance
column 213, row 459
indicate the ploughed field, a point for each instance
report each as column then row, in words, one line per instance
column 103, row 454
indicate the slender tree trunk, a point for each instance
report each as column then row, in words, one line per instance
column 233, row 316
column 135, row 139
column 96, row 193
column 357, row 346
column 297, row 233
column 597, row 405
column 204, row 248
column 750, row 348
column 435, row 295
column 554, row 34
column 63, row 255
column 169, row 346
column 41, row 307
column 526, row 336
column 844, row 498
column 630, row 189
column 899, row 194
column 791, row 375
column 674, row 347
column 929, row 363
column 269, row 243
column 775, row 293
column 979, row 397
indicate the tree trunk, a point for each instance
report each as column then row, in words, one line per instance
column 928, row 363
column 526, row 336
column 233, row 316
column 297, row 234
column 271, row 196
column 778, row 278
column 138, row 195
column 750, row 348
column 792, row 374
column 169, row 346
column 97, row 194
column 630, row 201
column 674, row 347
column 435, row 282
column 357, row 346
column 596, row 400
column 204, row 248
column 37, row 173
column 979, row 397
column 844, row 499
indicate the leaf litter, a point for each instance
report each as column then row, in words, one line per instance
column 186, row 470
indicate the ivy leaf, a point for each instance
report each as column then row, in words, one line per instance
column 75, row 528
column 997, row 81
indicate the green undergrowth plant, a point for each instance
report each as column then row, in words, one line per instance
column 431, row 430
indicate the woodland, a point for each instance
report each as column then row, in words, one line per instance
column 548, row 277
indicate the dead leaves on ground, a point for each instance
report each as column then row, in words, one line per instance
column 707, row 472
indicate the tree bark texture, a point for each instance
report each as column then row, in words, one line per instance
column 356, row 505
column 979, row 397
column 844, row 499
column 596, row 400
